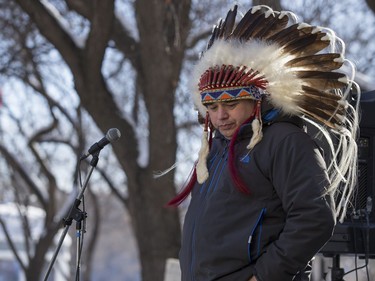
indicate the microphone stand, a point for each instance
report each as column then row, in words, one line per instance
column 78, row 215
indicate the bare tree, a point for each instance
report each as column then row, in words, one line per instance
column 156, row 56
column 47, row 196
column 33, row 181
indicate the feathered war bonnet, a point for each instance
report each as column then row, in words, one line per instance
column 270, row 57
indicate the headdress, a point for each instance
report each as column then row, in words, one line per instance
column 270, row 57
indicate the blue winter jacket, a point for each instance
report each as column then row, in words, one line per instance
column 272, row 232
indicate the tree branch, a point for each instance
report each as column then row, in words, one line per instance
column 371, row 5
column 51, row 28
column 100, row 32
column 11, row 244
column 11, row 160
column 120, row 33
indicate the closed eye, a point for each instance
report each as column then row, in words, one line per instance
column 231, row 104
column 228, row 105
column 212, row 107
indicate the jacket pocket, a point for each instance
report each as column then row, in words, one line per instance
column 254, row 241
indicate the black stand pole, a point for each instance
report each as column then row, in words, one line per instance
column 78, row 215
column 337, row 273
column 79, row 237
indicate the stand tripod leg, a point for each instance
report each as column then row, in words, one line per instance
column 337, row 273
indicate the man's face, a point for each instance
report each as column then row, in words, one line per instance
column 228, row 116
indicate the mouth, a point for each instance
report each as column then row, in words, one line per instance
column 225, row 126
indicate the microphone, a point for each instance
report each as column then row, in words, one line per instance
column 112, row 135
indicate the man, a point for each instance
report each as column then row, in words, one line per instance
column 262, row 198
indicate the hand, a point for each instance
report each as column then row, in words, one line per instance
column 253, row 279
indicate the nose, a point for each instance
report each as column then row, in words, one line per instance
column 222, row 112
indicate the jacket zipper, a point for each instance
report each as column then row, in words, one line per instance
column 220, row 166
column 257, row 224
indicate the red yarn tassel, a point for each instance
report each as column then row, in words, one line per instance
column 239, row 183
column 184, row 193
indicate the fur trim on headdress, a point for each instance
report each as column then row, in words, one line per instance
column 256, row 126
column 202, row 171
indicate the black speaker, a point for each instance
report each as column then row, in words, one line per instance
column 364, row 194
column 356, row 234
column 365, row 191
